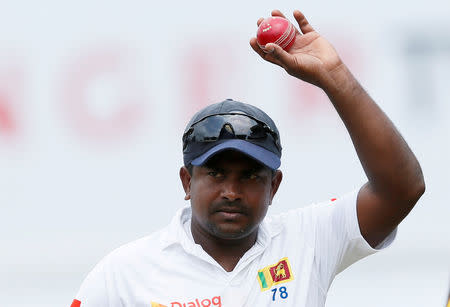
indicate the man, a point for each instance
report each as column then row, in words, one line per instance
column 222, row 250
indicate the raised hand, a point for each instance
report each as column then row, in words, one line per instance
column 311, row 58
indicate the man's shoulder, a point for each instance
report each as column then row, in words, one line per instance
column 303, row 216
column 313, row 208
column 286, row 221
column 149, row 246
column 295, row 213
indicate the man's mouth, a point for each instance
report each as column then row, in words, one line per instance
column 230, row 210
column 230, row 213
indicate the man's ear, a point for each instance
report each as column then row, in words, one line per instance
column 186, row 182
column 276, row 180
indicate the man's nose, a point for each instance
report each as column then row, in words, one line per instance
column 232, row 189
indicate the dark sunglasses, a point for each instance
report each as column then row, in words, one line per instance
column 245, row 127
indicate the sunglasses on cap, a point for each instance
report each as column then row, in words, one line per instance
column 241, row 126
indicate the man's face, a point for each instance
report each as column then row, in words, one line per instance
column 230, row 195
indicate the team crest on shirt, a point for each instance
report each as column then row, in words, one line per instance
column 275, row 274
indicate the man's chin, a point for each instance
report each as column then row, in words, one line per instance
column 227, row 232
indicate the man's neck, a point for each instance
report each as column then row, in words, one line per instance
column 227, row 252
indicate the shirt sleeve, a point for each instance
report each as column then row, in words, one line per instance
column 338, row 239
column 93, row 291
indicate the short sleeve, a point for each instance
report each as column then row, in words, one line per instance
column 93, row 291
column 338, row 240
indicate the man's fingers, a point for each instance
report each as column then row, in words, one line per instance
column 259, row 21
column 255, row 47
column 266, row 56
column 303, row 23
column 276, row 54
column 278, row 13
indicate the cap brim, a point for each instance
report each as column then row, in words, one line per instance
column 256, row 152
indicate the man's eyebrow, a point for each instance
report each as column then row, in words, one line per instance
column 211, row 166
column 255, row 169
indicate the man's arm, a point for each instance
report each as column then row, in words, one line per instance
column 395, row 180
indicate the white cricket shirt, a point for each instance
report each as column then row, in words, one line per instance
column 293, row 262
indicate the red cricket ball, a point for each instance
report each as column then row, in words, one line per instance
column 276, row 30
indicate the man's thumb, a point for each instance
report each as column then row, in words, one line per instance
column 276, row 51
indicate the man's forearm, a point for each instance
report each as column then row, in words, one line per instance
column 391, row 167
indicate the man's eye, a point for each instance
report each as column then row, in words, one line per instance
column 215, row 174
column 252, row 176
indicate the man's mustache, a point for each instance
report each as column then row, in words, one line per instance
column 229, row 206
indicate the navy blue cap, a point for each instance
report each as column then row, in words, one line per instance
column 267, row 150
